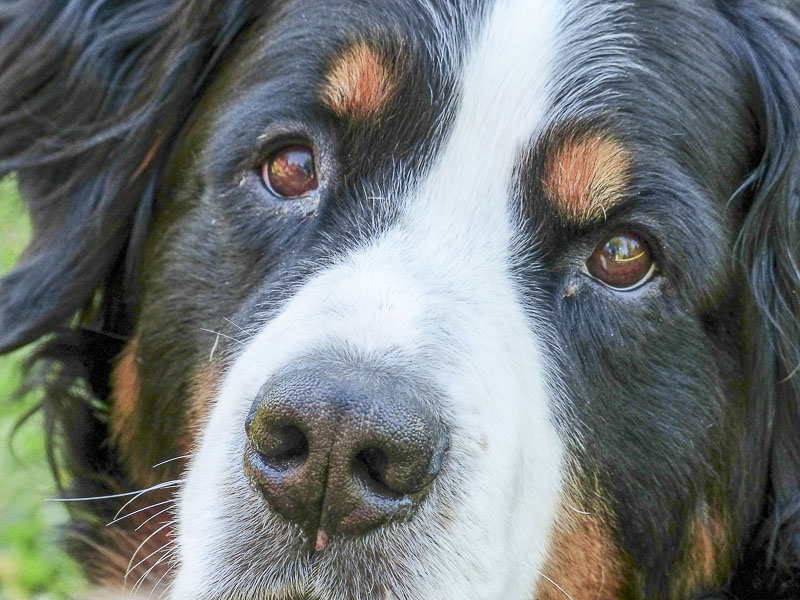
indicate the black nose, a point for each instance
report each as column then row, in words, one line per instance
column 342, row 453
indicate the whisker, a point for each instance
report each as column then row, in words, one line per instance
column 146, row 575
column 158, row 583
column 239, row 327
column 169, row 460
column 112, row 496
column 143, row 577
column 553, row 583
column 135, row 552
column 213, row 348
column 580, row 512
column 558, row 587
column 130, row 514
column 151, row 517
column 227, row 337
column 160, row 486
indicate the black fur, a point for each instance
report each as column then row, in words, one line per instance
column 768, row 253
column 90, row 88
column 93, row 94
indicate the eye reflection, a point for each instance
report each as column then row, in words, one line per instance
column 289, row 172
column 622, row 262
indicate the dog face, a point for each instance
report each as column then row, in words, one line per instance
column 422, row 300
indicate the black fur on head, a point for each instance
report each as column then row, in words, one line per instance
column 92, row 93
column 768, row 253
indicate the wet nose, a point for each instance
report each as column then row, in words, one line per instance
column 342, row 454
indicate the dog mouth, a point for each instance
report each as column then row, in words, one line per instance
column 288, row 566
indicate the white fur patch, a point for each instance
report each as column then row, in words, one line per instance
column 437, row 291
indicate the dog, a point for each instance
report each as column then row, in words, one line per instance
column 414, row 299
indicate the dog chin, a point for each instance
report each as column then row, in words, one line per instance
column 287, row 566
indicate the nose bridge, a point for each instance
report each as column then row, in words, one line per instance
column 372, row 306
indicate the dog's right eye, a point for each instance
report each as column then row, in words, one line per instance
column 622, row 262
column 290, row 173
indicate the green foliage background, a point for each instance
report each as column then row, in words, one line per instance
column 32, row 567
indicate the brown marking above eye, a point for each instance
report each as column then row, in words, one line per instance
column 359, row 84
column 586, row 175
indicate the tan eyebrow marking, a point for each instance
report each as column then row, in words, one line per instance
column 586, row 175
column 359, row 84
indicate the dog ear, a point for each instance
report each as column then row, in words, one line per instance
column 768, row 250
column 91, row 95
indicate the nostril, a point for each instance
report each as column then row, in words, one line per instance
column 342, row 455
column 284, row 448
column 370, row 467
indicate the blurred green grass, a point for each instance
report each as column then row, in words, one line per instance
column 32, row 566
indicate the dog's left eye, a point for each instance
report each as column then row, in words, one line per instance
column 622, row 262
column 290, row 173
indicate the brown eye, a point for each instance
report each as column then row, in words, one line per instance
column 289, row 172
column 622, row 262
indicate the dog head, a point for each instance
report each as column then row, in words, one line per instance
column 415, row 299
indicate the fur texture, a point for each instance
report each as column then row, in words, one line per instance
column 601, row 443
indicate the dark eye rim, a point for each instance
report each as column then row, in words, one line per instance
column 278, row 145
column 652, row 248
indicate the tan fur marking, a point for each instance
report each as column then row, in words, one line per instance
column 204, row 389
column 707, row 559
column 126, row 390
column 583, row 560
column 360, row 84
column 586, row 176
